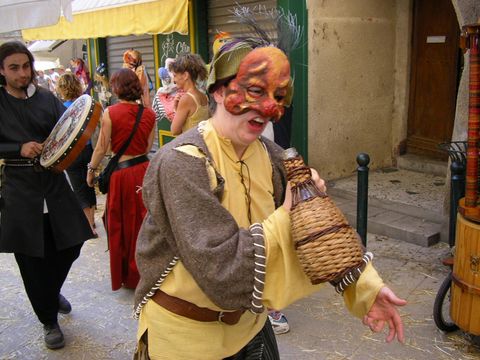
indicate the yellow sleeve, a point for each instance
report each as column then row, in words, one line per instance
column 359, row 297
column 285, row 281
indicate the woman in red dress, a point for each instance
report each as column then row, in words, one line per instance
column 124, row 204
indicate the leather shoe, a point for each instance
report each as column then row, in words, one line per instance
column 64, row 306
column 53, row 336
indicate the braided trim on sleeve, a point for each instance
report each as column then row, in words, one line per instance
column 260, row 267
column 152, row 291
column 353, row 275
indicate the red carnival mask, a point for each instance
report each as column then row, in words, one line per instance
column 262, row 84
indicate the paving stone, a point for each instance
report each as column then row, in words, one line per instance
column 398, row 219
column 100, row 325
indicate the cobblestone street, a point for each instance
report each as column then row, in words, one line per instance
column 101, row 326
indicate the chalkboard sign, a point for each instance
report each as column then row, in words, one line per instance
column 170, row 45
column 164, row 133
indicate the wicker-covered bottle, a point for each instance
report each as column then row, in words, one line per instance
column 327, row 246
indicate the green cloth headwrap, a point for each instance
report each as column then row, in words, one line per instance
column 225, row 64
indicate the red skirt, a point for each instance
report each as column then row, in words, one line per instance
column 124, row 216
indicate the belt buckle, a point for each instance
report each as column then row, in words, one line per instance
column 221, row 314
column 36, row 165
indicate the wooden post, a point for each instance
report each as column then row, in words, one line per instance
column 472, row 32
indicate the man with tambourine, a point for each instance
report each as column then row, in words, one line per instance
column 41, row 221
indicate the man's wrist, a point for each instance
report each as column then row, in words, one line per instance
column 10, row 150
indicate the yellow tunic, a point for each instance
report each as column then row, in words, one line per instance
column 246, row 183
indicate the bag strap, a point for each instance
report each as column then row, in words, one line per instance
column 125, row 145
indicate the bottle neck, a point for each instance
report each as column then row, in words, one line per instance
column 305, row 191
column 297, row 171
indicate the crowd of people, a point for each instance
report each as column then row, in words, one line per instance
column 200, row 230
column 48, row 78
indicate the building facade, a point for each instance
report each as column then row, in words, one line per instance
column 373, row 76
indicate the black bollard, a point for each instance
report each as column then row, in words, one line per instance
column 457, row 170
column 362, row 196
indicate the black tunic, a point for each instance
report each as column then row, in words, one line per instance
column 24, row 190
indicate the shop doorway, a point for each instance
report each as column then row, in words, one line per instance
column 434, row 77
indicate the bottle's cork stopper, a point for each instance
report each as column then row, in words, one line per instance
column 290, row 153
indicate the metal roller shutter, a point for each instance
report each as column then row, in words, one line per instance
column 116, row 46
column 220, row 18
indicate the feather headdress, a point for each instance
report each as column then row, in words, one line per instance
column 285, row 35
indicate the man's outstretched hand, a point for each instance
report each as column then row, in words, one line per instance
column 384, row 311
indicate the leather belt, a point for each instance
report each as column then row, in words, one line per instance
column 131, row 162
column 187, row 309
column 23, row 162
column 18, row 162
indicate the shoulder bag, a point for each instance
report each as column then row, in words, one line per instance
column 103, row 180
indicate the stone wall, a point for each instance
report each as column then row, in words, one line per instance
column 358, row 73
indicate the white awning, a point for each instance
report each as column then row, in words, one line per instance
column 43, row 45
column 46, row 64
column 80, row 6
column 25, row 14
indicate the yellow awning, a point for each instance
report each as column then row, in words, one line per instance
column 133, row 18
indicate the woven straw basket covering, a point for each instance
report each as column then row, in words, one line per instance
column 326, row 245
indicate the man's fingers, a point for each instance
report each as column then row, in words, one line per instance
column 38, row 149
column 32, row 149
column 374, row 325
column 392, row 298
column 377, row 326
column 395, row 300
column 319, row 182
column 398, row 324
column 391, row 332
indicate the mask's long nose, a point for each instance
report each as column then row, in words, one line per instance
column 271, row 109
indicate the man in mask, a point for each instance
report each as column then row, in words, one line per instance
column 215, row 250
column 41, row 221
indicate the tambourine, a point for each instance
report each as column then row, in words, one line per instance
column 70, row 134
